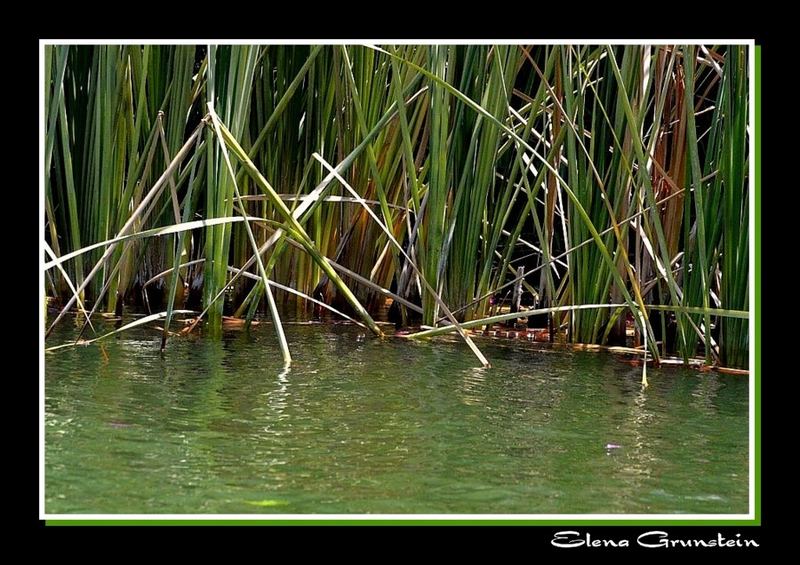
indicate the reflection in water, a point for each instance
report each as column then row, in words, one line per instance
column 278, row 397
column 705, row 393
column 472, row 384
column 382, row 426
column 641, row 452
column 276, row 404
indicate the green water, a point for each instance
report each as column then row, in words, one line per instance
column 360, row 425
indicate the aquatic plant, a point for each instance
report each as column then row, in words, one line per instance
column 612, row 180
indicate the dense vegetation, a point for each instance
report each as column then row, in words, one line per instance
column 613, row 175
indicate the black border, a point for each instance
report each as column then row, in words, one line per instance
column 530, row 540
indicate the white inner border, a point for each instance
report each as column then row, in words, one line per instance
column 378, row 517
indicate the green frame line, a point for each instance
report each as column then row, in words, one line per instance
column 279, row 521
column 757, row 290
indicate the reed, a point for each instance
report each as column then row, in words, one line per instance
column 183, row 178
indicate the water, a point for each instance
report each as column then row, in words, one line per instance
column 360, row 425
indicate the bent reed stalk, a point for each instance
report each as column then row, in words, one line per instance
column 199, row 178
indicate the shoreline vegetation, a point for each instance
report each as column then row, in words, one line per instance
column 599, row 193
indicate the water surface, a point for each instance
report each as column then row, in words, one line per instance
column 361, row 425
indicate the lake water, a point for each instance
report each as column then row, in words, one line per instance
column 362, row 425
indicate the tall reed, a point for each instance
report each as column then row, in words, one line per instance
column 430, row 174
